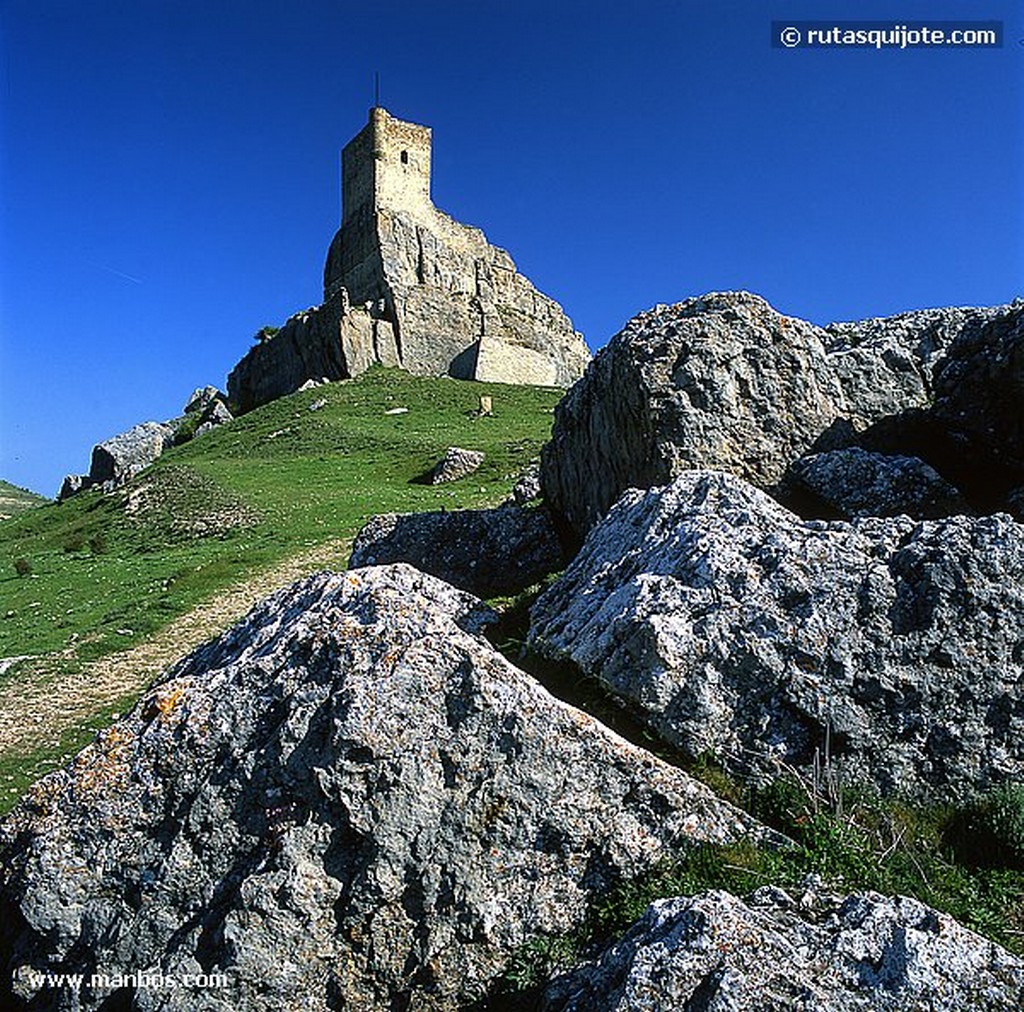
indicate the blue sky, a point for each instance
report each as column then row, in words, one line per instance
column 169, row 173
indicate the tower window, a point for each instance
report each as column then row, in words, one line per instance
column 405, row 157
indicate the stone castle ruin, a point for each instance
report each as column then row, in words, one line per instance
column 406, row 285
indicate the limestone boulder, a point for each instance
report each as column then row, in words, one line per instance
column 202, row 398
column 213, row 417
column 725, row 381
column 812, row 951
column 979, row 388
column 72, row 485
column 888, row 648
column 857, row 483
column 122, row 457
column 348, row 800
column 527, row 487
column 885, row 365
column 332, row 341
column 455, row 464
column 722, row 381
column 489, row 553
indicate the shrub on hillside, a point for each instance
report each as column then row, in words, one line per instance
column 1002, row 816
column 22, row 567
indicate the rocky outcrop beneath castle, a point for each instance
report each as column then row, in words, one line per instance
column 813, row 950
column 117, row 460
column 442, row 303
column 724, row 381
column 333, row 341
column 349, row 797
column 735, row 629
column 459, row 304
column 486, row 552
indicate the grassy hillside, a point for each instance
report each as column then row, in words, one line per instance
column 96, row 573
column 15, row 500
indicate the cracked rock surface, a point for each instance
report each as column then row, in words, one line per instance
column 774, row 952
column 349, row 800
column 893, row 648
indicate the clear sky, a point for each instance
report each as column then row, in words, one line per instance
column 169, row 173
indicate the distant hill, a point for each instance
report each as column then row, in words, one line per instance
column 15, row 500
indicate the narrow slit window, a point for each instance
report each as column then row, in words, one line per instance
column 405, row 157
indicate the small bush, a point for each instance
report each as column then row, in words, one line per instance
column 187, row 429
column 98, row 544
column 1002, row 816
column 22, row 567
column 74, row 543
column 265, row 334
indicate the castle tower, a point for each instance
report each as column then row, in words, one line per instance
column 386, row 166
column 407, row 285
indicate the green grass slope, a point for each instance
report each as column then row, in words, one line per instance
column 15, row 500
column 99, row 572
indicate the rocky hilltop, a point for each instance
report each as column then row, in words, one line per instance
column 793, row 563
column 407, row 285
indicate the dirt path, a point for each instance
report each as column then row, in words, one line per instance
column 42, row 703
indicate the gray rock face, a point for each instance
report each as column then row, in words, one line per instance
column 720, row 381
column 120, row 458
column 734, row 628
column 455, row 464
column 486, row 552
column 214, row 415
column 202, row 398
column 348, row 800
column 123, row 456
column 858, row 483
column 333, row 341
column 979, row 386
column 527, row 486
column 775, row 953
column 724, row 381
column 72, row 485
column 885, row 364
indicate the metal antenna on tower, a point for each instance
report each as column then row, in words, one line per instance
column 376, row 89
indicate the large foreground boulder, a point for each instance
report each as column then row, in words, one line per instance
column 893, row 649
column 487, row 552
column 347, row 801
column 725, row 382
column 720, row 381
column 776, row 953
